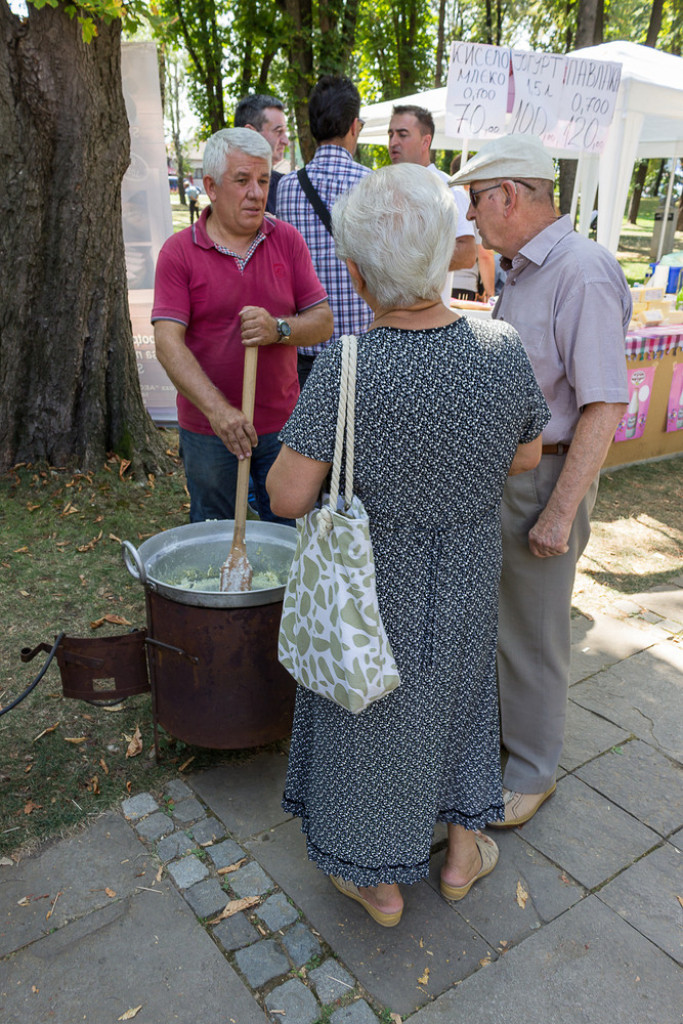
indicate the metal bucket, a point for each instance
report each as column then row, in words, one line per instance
column 216, row 681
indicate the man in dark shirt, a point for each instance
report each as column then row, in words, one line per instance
column 266, row 115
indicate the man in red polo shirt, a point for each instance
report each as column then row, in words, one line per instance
column 235, row 278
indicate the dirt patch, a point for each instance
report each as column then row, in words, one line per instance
column 637, row 534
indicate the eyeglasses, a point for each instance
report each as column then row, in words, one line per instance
column 490, row 188
column 361, row 124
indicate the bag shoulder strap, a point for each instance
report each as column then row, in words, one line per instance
column 345, row 421
column 314, row 198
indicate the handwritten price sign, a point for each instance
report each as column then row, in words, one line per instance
column 538, row 83
column 567, row 101
column 476, row 97
column 588, row 100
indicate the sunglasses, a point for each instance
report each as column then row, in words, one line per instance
column 490, row 188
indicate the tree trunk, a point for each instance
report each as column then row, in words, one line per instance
column 70, row 390
column 655, row 22
column 301, row 63
column 440, row 45
column 641, row 175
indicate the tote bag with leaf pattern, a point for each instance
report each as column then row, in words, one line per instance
column 332, row 640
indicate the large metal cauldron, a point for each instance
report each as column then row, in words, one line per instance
column 216, row 681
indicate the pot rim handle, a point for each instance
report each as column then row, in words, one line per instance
column 133, row 562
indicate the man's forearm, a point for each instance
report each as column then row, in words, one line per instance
column 592, row 438
column 464, row 254
column 184, row 371
column 311, row 327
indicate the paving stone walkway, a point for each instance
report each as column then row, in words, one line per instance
column 580, row 923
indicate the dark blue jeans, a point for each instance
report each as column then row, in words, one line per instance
column 211, row 473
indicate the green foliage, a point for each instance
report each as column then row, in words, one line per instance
column 88, row 13
column 395, row 47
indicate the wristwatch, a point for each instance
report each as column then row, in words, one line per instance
column 283, row 329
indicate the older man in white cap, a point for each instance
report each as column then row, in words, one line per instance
column 570, row 302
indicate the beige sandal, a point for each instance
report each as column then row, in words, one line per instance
column 350, row 889
column 488, row 851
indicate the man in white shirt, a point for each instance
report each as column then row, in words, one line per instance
column 411, row 131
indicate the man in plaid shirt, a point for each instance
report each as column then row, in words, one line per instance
column 333, row 108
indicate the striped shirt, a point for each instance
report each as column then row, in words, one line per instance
column 332, row 171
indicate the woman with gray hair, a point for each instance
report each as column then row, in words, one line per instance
column 445, row 409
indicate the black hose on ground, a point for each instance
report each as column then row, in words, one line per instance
column 3, row 711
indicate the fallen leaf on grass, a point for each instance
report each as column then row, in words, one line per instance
column 31, row 806
column 24, row 593
column 50, row 728
column 110, row 892
column 395, row 1018
column 231, row 867
column 75, row 739
column 93, row 785
column 27, row 769
column 91, row 543
column 20, row 551
column 115, row 620
column 522, row 895
column 32, row 508
column 234, row 907
column 134, row 743
column 112, row 536
column 125, row 463
column 103, row 766
column 186, row 763
column 129, row 1014
column 424, row 980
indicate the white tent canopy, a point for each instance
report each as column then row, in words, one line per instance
column 648, row 122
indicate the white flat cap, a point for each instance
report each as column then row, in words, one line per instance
column 510, row 156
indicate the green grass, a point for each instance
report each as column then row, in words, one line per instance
column 635, row 241
column 61, row 570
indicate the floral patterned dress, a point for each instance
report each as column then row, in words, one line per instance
column 439, row 415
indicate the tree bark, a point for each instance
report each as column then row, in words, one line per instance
column 301, row 63
column 440, row 45
column 70, row 390
column 655, row 25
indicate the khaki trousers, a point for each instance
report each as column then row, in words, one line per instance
column 534, row 637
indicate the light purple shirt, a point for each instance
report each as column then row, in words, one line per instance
column 568, row 298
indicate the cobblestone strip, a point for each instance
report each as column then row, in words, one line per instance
column 281, row 959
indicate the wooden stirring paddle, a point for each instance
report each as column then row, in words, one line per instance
column 236, row 571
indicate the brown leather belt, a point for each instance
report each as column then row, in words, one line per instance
column 555, row 449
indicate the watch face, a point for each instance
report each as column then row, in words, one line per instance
column 283, row 329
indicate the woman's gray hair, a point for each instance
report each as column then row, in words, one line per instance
column 230, row 140
column 399, row 226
